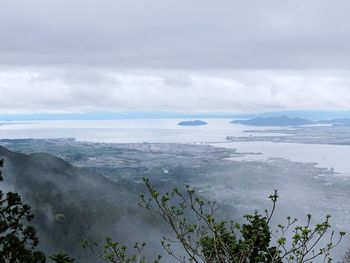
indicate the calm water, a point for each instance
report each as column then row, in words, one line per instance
column 125, row 131
column 167, row 131
column 330, row 156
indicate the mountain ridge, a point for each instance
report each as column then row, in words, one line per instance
column 275, row 121
column 73, row 203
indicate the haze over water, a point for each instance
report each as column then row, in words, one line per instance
column 167, row 131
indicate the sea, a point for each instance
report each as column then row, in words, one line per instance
column 167, row 131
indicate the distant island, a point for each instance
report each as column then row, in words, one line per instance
column 275, row 121
column 192, row 123
column 289, row 121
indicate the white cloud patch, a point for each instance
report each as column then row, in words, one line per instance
column 27, row 90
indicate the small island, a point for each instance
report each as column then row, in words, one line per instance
column 192, row 123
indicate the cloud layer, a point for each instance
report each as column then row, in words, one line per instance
column 80, row 90
column 197, row 34
column 198, row 55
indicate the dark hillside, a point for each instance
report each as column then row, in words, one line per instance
column 72, row 203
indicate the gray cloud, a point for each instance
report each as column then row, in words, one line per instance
column 176, row 34
column 199, row 55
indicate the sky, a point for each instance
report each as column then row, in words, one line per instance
column 179, row 55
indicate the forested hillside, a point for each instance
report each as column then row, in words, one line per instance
column 71, row 204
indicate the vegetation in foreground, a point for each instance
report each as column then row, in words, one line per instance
column 201, row 236
column 18, row 238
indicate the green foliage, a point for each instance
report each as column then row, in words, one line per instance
column 117, row 253
column 206, row 239
column 18, row 240
column 61, row 257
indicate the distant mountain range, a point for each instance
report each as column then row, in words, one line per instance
column 274, row 121
column 288, row 121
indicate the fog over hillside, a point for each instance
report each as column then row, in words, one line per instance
column 71, row 204
column 84, row 203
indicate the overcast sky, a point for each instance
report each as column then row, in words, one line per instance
column 174, row 55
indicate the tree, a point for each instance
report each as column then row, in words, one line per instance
column 205, row 239
column 18, row 239
column 61, row 257
column 116, row 252
column 211, row 240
